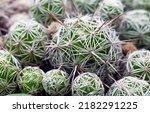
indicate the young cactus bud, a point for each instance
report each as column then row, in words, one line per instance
column 87, row 84
column 30, row 80
column 26, row 41
column 109, row 9
column 138, row 64
column 56, row 82
column 40, row 10
column 87, row 6
column 9, row 69
column 135, row 26
column 129, row 86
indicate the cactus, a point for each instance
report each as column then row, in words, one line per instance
column 30, row 80
column 87, row 6
column 138, row 64
column 9, row 69
column 83, row 43
column 109, row 9
column 56, row 82
column 130, row 86
column 135, row 26
column 137, row 4
column 87, row 84
column 40, row 10
column 26, row 41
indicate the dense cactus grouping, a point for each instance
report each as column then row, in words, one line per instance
column 77, row 48
column 83, row 44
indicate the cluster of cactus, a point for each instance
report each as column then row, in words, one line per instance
column 83, row 43
column 47, row 11
column 87, row 84
column 9, row 70
column 135, row 26
column 85, row 54
column 109, row 9
column 30, row 80
column 129, row 86
column 138, row 64
column 26, row 41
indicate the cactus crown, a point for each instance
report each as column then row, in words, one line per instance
column 25, row 41
column 30, row 81
column 129, row 86
column 87, row 84
column 138, row 64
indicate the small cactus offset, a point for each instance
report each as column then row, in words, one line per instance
column 109, row 9
column 135, row 26
column 30, row 80
column 130, row 86
column 138, row 64
column 56, row 82
column 83, row 42
column 40, row 10
column 87, row 6
column 9, row 69
column 87, row 84
column 26, row 41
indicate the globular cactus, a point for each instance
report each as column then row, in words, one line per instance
column 9, row 69
column 30, row 80
column 109, row 9
column 56, row 82
column 87, row 84
column 26, row 41
column 84, row 43
column 41, row 9
column 138, row 64
column 129, row 86
column 135, row 26
column 87, row 6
